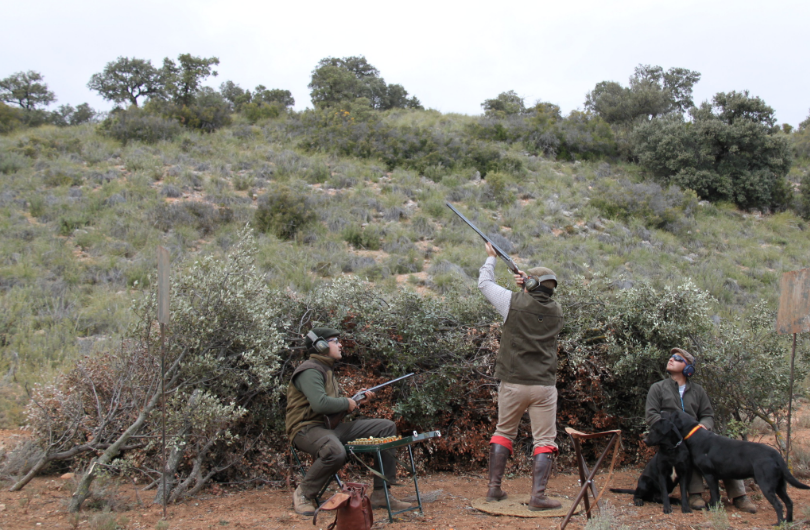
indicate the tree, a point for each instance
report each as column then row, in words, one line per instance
column 126, row 80
column 181, row 83
column 235, row 94
column 26, row 90
column 337, row 80
column 506, row 104
column 397, row 97
column 67, row 115
column 652, row 92
column 262, row 94
column 731, row 151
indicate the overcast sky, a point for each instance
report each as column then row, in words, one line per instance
column 451, row 55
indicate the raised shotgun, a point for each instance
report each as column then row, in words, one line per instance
column 529, row 283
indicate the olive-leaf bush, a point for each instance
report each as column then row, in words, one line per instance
column 747, row 372
column 222, row 353
column 234, row 344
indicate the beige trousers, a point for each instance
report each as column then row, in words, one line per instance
column 539, row 400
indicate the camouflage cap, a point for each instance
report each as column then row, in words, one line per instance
column 685, row 354
column 543, row 274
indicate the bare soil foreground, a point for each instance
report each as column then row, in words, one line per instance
column 447, row 506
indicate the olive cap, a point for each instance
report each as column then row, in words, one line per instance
column 322, row 333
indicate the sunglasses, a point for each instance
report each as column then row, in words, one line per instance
column 679, row 359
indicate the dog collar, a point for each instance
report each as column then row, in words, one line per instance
column 693, row 431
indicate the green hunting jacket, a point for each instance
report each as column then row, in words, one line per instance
column 528, row 350
column 664, row 396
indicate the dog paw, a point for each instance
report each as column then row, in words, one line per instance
column 686, row 510
column 667, row 510
column 638, row 502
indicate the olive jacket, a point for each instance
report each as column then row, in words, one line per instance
column 664, row 396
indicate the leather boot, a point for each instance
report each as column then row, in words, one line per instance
column 743, row 503
column 696, row 501
column 541, row 470
column 303, row 505
column 498, row 455
column 378, row 501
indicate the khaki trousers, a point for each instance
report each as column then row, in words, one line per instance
column 734, row 487
column 326, row 447
column 539, row 400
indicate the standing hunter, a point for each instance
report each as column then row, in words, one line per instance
column 526, row 365
column 313, row 393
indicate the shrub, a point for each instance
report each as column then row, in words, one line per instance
column 646, row 201
column 203, row 217
column 135, row 124
column 804, row 195
column 367, row 238
column 729, row 152
column 258, row 111
column 283, row 212
column 208, row 111
column 10, row 118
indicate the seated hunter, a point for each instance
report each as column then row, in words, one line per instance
column 313, row 394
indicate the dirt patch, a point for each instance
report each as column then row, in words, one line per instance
column 447, row 502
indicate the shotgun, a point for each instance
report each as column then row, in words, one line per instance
column 333, row 420
column 529, row 283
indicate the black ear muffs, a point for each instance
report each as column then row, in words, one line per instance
column 530, row 284
column 689, row 370
column 320, row 345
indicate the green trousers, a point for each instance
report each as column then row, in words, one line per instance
column 326, row 447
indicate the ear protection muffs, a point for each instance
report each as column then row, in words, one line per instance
column 689, row 370
column 530, row 284
column 320, row 345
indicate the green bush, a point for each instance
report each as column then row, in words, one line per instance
column 258, row 111
column 10, row 118
column 367, row 238
column 135, row 124
column 804, row 195
column 208, row 111
column 283, row 212
column 730, row 152
column 646, row 201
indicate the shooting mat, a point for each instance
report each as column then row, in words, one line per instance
column 517, row 506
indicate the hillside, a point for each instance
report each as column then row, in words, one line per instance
column 83, row 214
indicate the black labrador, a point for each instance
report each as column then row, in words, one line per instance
column 718, row 457
column 656, row 480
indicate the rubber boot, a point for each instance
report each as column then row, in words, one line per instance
column 541, row 470
column 498, row 455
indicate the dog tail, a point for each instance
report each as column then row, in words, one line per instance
column 794, row 482
column 619, row 490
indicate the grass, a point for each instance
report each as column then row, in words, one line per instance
column 82, row 215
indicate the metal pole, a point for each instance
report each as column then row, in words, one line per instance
column 790, row 399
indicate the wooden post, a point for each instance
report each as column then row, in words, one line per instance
column 163, row 320
column 793, row 317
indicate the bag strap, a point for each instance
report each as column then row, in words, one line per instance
column 374, row 471
column 333, row 503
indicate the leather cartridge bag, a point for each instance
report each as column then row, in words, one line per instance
column 352, row 508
